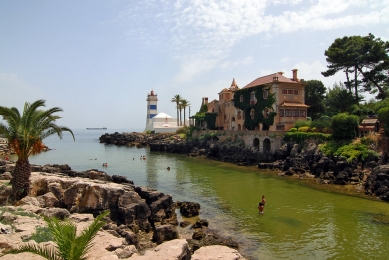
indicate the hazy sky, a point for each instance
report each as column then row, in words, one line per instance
column 97, row 60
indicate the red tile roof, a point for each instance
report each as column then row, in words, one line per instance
column 269, row 79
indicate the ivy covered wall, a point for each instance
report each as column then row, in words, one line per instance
column 259, row 107
column 204, row 116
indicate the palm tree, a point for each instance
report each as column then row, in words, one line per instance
column 180, row 109
column 184, row 104
column 68, row 246
column 25, row 134
column 176, row 99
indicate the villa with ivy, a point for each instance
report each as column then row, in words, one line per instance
column 272, row 103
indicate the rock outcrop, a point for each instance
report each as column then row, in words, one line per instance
column 377, row 183
column 303, row 161
column 140, row 217
column 132, row 139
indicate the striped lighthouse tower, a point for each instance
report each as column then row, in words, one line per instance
column 151, row 109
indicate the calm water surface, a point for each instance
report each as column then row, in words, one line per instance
column 302, row 220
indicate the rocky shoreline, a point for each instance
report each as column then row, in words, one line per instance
column 301, row 160
column 142, row 223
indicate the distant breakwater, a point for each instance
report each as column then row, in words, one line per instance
column 291, row 159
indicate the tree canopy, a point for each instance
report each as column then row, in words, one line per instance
column 314, row 95
column 364, row 60
column 339, row 100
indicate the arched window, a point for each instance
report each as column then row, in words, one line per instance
column 252, row 98
column 239, row 115
column 266, row 145
column 241, row 98
column 252, row 113
column 256, row 143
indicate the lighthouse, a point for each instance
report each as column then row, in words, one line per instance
column 151, row 109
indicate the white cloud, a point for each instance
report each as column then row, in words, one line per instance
column 232, row 64
column 286, row 59
column 204, row 31
column 313, row 71
column 191, row 68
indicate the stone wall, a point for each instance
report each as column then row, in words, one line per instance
column 262, row 141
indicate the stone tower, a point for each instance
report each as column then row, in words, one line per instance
column 151, row 109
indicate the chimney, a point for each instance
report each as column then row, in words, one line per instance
column 295, row 75
column 206, row 100
column 280, row 72
column 275, row 78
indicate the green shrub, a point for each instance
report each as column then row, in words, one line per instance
column 301, row 137
column 386, row 129
column 304, row 129
column 349, row 150
column 355, row 151
column 293, row 129
column 344, row 126
column 206, row 137
column 330, row 148
column 301, row 123
column 321, row 123
column 182, row 136
column 182, row 130
column 42, row 234
column 383, row 116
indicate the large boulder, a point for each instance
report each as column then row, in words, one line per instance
column 164, row 233
column 189, row 209
column 80, row 195
column 150, row 195
column 176, row 249
column 216, row 252
column 378, row 182
column 162, row 208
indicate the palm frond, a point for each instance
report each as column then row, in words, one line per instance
column 49, row 252
column 84, row 242
column 64, row 233
column 69, row 246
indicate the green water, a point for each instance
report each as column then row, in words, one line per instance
column 302, row 219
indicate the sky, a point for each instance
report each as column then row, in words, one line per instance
column 98, row 60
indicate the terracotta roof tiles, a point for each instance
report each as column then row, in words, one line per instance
column 269, row 79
